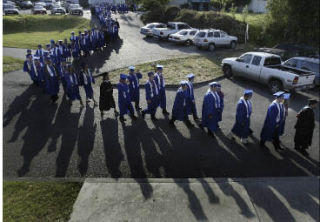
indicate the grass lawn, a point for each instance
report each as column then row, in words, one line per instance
column 38, row 201
column 27, row 31
column 205, row 68
column 11, row 64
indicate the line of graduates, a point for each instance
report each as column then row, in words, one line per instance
column 212, row 108
column 110, row 26
column 49, row 76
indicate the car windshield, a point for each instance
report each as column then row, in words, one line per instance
column 201, row 34
column 161, row 26
column 183, row 33
column 8, row 6
column 171, row 26
column 75, row 6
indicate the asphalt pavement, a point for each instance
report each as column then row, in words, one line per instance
column 47, row 141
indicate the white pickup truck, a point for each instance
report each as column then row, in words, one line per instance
column 266, row 68
column 173, row 27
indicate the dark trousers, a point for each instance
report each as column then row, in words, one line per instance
column 130, row 110
column 275, row 139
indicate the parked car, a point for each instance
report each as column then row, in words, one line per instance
column 75, row 9
column 26, row 5
column 184, row 36
column 213, row 38
column 42, row 4
column 306, row 64
column 10, row 9
column 57, row 9
column 49, row 3
column 38, row 9
column 173, row 27
column 266, row 68
column 9, row 3
column 147, row 29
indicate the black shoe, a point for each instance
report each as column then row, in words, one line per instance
column 211, row 134
column 189, row 124
column 154, row 118
column 250, row 132
column 143, row 114
column 262, row 144
column 133, row 117
column 122, row 119
column 279, row 148
column 171, row 123
column 297, row 148
column 165, row 112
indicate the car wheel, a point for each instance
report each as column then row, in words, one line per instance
column 212, row 47
column 80, row 13
column 233, row 45
column 227, row 71
column 188, row 42
column 275, row 85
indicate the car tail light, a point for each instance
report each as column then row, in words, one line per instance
column 161, row 33
column 205, row 40
column 295, row 80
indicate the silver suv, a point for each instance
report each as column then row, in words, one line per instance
column 213, row 38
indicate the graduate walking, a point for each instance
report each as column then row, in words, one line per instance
column 304, row 127
column 106, row 100
column 30, row 68
column 272, row 125
column 221, row 100
column 191, row 103
column 179, row 110
column 52, row 83
column 211, row 109
column 152, row 97
column 72, row 83
column 241, row 128
column 134, row 87
column 88, row 80
column 124, row 99
column 159, row 79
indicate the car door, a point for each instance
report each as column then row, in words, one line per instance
column 216, row 37
column 241, row 64
column 224, row 38
column 253, row 68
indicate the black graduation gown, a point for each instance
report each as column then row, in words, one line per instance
column 304, row 127
column 106, row 100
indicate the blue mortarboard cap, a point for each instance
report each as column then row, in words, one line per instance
column 248, row 92
column 150, row 73
column 123, row 76
column 278, row 94
column 286, row 95
column 213, row 84
column 52, row 41
column 190, row 76
column 131, row 67
column 159, row 66
column 28, row 50
column 183, row 82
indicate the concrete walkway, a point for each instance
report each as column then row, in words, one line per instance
column 222, row 199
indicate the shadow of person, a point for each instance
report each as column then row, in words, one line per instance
column 98, row 59
column 38, row 131
column 213, row 199
column 20, row 104
column 86, row 138
column 134, row 156
column 112, row 148
column 67, row 127
column 194, row 202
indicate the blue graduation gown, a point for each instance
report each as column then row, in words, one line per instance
column 101, row 39
column 41, row 75
column 221, row 96
column 134, row 87
column 87, row 84
column 190, row 98
column 179, row 110
column 39, row 53
column 72, row 88
column 152, row 94
column 29, row 68
column 162, row 91
column 273, row 121
column 124, row 98
column 62, row 77
column 209, row 109
column 242, row 124
column 52, row 84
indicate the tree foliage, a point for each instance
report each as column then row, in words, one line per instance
column 154, row 4
column 294, row 20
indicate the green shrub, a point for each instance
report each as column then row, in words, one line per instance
column 171, row 13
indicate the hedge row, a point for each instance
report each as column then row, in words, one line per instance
column 201, row 20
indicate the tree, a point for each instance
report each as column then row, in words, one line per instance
column 219, row 4
column 245, row 13
column 151, row 5
column 295, row 20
